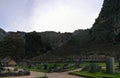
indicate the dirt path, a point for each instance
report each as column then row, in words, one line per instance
column 50, row 75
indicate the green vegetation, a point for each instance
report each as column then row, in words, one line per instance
column 103, row 64
column 60, row 67
column 102, row 39
column 69, row 66
column 12, row 45
column 96, row 75
column 38, row 68
column 100, row 74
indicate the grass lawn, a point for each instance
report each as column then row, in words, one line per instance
column 37, row 69
column 40, row 67
column 102, row 64
column 98, row 74
column 95, row 75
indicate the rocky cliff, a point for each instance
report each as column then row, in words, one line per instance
column 107, row 25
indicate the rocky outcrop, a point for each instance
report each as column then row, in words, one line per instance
column 107, row 25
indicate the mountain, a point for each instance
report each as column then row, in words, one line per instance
column 72, row 47
column 2, row 34
column 102, row 39
column 19, row 44
column 105, row 33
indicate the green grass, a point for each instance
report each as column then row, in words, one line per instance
column 37, row 69
column 40, row 67
column 98, row 74
column 103, row 64
column 95, row 75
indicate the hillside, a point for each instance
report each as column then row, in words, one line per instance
column 19, row 44
column 73, row 47
column 102, row 39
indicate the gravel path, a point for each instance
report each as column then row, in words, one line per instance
column 50, row 75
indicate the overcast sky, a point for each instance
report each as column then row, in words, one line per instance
column 48, row 15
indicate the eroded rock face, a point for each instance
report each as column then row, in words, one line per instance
column 107, row 25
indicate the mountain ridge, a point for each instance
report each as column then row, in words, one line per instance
column 102, row 39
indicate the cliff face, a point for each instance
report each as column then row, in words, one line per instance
column 107, row 25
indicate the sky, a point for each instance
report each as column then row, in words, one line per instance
column 48, row 15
